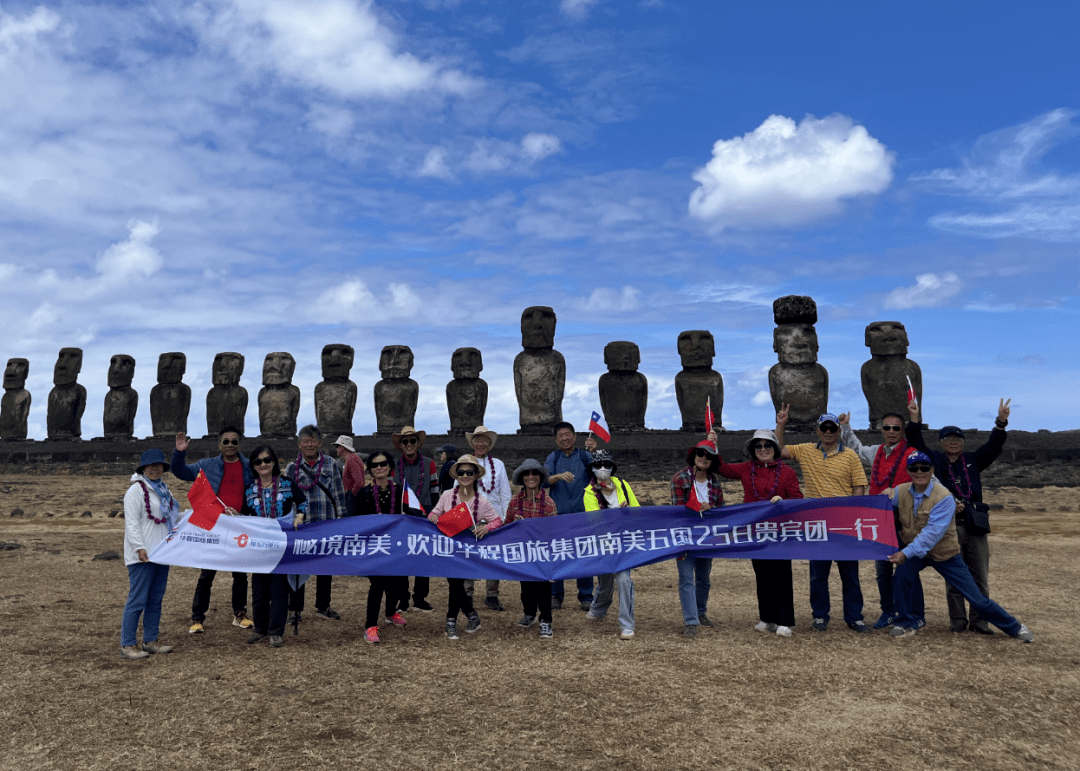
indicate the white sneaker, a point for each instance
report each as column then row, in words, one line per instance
column 761, row 626
column 626, row 634
column 785, row 631
column 591, row 615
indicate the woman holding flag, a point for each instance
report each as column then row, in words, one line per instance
column 696, row 487
column 383, row 496
column 767, row 478
column 464, row 500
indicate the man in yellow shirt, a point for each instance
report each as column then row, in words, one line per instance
column 830, row 470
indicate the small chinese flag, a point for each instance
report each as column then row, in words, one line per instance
column 206, row 506
column 456, row 520
column 911, row 397
column 709, row 419
column 694, row 504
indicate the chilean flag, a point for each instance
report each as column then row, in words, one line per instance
column 599, row 426
column 412, row 501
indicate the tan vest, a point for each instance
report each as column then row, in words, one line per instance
column 912, row 522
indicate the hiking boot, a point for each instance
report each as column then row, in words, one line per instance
column 820, row 625
column 276, row 641
column 133, row 652
column 329, row 613
column 241, row 620
column 371, row 634
column 397, row 619
column 546, row 633
column 705, row 620
column 764, row 626
column 690, row 630
column 254, row 637
column 1025, row 635
column 196, row 628
column 526, row 621
column 860, row 628
column 474, row 623
column 492, row 603
column 451, row 629
column 886, row 620
column 901, row 631
column 423, row 605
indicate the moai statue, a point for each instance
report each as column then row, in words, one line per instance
column 15, row 406
column 624, row 392
column 122, row 401
column 279, row 399
column 67, row 399
column 227, row 401
column 170, row 399
column 798, row 380
column 539, row 373
column 885, row 376
column 466, row 394
column 396, row 394
column 335, row 395
column 698, row 385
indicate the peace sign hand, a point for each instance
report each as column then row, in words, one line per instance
column 1004, row 410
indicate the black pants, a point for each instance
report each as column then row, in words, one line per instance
column 459, row 601
column 775, row 593
column 322, row 594
column 269, row 602
column 396, row 589
column 536, row 596
column 421, row 586
column 201, row 602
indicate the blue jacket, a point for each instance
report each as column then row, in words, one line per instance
column 974, row 462
column 214, row 468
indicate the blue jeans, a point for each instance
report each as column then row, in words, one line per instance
column 605, row 587
column 694, row 587
column 849, row 580
column 146, row 588
column 584, row 589
column 959, row 577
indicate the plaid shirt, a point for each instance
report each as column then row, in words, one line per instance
column 683, row 482
column 319, row 506
column 522, row 508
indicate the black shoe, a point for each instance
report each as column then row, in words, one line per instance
column 704, row 620
column 860, row 628
column 423, row 605
column 492, row 603
column 276, row 641
column 981, row 627
column 329, row 613
column 474, row 623
column 958, row 625
column 451, row 629
column 254, row 637
column 556, row 603
column 586, row 605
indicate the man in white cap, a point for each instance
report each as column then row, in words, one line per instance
column 496, row 488
column 353, row 474
column 422, row 475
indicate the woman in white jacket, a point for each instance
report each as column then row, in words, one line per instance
column 149, row 512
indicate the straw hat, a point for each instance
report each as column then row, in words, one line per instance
column 471, row 460
column 421, row 437
column 481, row 431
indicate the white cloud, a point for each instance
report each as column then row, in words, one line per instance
column 607, row 300
column 754, row 378
column 135, row 256
column 761, row 399
column 352, row 299
column 16, row 33
column 340, row 46
column 434, row 165
column 1003, row 172
column 536, row 146
column 930, row 290
column 577, row 10
column 781, row 174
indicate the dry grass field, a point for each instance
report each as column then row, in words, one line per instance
column 502, row 699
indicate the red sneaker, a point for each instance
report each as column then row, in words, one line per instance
column 371, row 635
column 397, row 619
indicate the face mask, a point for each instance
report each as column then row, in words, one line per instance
column 602, row 474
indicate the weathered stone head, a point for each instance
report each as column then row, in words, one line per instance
column 15, row 374
column 171, row 368
column 396, row 362
column 796, row 343
column 228, row 367
column 466, row 363
column 121, row 371
column 278, row 368
column 886, row 338
column 68, row 366
column 696, row 348
column 337, row 360
column 622, row 356
column 538, row 327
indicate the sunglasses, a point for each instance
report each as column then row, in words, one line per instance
column 466, row 473
column 531, row 473
column 604, row 464
column 699, row 453
column 828, row 428
column 919, row 468
column 379, row 464
column 227, row 442
column 263, row 461
column 892, row 428
column 409, row 440
column 762, row 446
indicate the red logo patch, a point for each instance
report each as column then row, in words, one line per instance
column 241, row 540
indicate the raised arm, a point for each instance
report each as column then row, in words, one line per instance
column 913, row 432
column 847, row 436
column 781, row 421
column 989, row 452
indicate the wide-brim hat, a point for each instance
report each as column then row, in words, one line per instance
column 481, row 431
column 345, row 441
column 766, row 434
column 421, row 437
column 471, row 460
column 530, row 464
column 603, row 455
column 149, row 458
column 705, row 445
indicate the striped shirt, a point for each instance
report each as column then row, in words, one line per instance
column 828, row 476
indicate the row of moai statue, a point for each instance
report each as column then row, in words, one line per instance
column 539, row 381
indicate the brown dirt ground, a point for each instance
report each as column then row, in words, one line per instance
column 732, row 698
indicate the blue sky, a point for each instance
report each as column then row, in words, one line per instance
column 262, row 175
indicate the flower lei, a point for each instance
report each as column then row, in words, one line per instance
column 776, row 480
column 521, row 503
column 266, row 505
column 376, row 494
column 880, row 480
column 480, row 481
column 314, row 477
column 965, row 490
column 146, row 502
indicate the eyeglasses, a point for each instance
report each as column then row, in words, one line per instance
column 701, row 453
column 466, row 472
column 919, row 468
column 828, row 428
column 227, row 442
column 952, row 438
column 378, row 464
column 263, row 461
column 531, row 473
column 603, row 464
column 762, row 446
column 409, row 440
